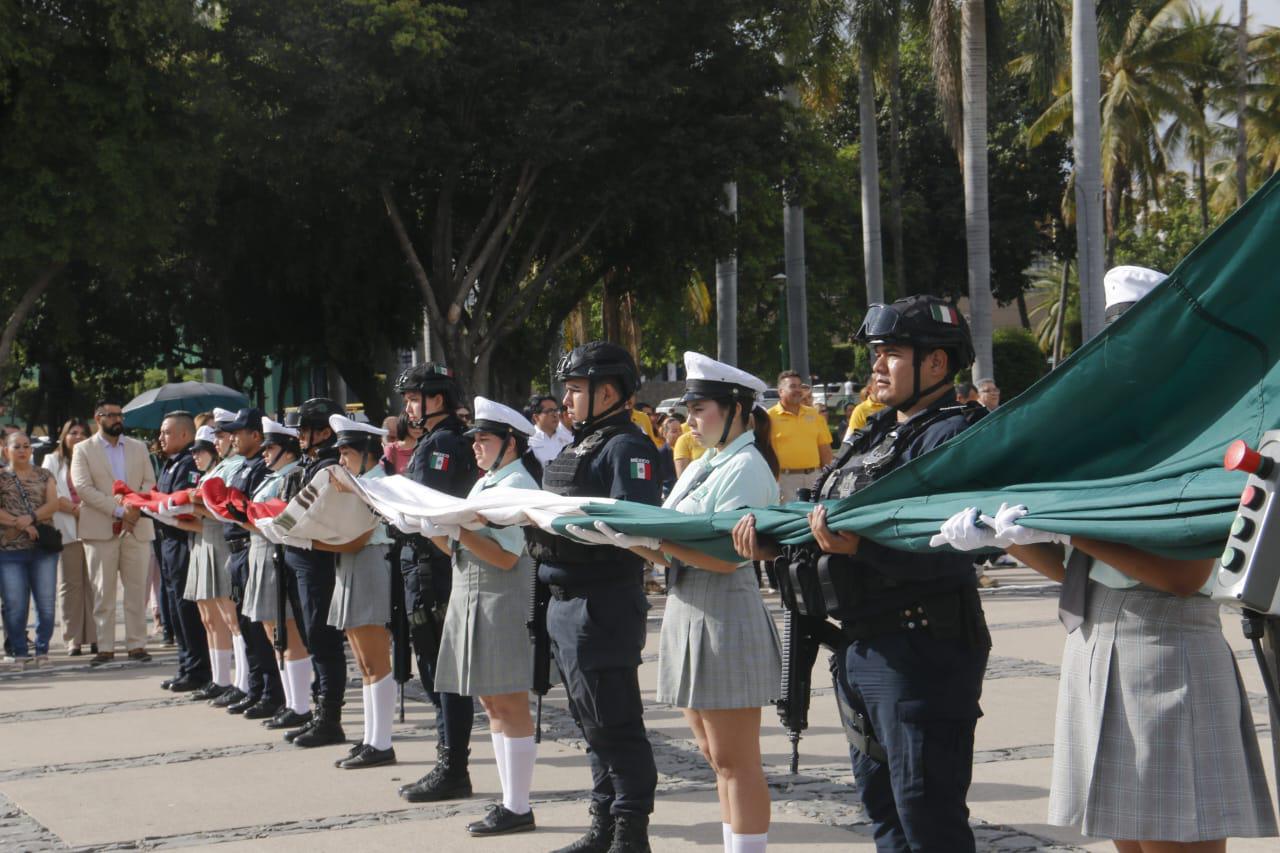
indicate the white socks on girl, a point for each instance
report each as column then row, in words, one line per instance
column 379, row 708
column 242, row 663
column 514, row 757
column 750, row 843
column 522, row 752
column 220, row 662
column 297, row 678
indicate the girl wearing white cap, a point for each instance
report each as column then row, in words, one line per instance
column 719, row 659
column 484, row 647
column 1154, row 745
column 282, row 452
column 361, row 602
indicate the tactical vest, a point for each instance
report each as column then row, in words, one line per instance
column 566, row 475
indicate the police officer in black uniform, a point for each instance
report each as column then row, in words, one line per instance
column 910, row 677
column 443, row 461
column 173, row 553
column 266, row 694
column 310, row 576
column 596, row 618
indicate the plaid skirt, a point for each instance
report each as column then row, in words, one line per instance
column 719, row 647
column 361, row 589
column 207, row 574
column 1155, row 739
column 262, row 585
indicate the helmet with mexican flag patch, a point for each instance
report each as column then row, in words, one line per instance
column 922, row 322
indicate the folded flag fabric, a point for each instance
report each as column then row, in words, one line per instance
column 259, row 510
column 320, row 513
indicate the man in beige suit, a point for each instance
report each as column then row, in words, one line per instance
column 117, row 541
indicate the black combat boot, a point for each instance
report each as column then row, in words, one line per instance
column 448, row 780
column 599, row 836
column 326, row 728
column 287, row 718
column 630, row 834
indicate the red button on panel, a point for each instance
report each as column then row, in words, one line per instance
column 1241, row 457
column 1252, row 497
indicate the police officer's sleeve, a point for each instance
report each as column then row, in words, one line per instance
column 632, row 467
column 443, row 462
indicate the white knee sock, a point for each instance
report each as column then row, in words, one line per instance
column 299, row 674
column 366, row 694
column 726, row 831
column 220, row 662
column 500, row 757
column 750, row 843
column 242, row 663
column 284, row 682
column 522, row 752
column 383, row 698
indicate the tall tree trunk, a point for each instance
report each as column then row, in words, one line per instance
column 1086, row 107
column 793, row 255
column 895, row 158
column 1202, row 185
column 22, row 310
column 973, row 60
column 1242, row 81
column 1060, row 326
column 727, row 290
column 1024, row 316
column 872, row 260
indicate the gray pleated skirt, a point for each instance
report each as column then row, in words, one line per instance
column 262, row 585
column 207, row 576
column 1155, row 739
column 719, row 647
column 484, row 648
column 361, row 589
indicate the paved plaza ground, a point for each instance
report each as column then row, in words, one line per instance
column 103, row 759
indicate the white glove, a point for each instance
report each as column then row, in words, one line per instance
column 1012, row 533
column 965, row 532
column 624, row 540
column 587, row 534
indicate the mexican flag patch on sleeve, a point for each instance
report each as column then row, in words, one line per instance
column 438, row 461
column 641, row 469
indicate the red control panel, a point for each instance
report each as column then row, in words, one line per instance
column 1248, row 572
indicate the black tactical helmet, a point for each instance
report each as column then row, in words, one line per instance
column 600, row 360
column 429, row 378
column 313, row 414
column 921, row 322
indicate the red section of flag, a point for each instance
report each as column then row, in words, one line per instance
column 258, row 510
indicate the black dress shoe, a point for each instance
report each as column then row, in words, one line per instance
column 293, row 734
column 230, row 696
column 183, row 684
column 164, row 685
column 352, row 753
column 243, row 705
column 368, row 756
column 209, row 692
column 500, row 820
column 287, row 718
column 263, row 709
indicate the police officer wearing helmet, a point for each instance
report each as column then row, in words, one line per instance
column 310, row 574
column 910, row 677
column 597, row 613
column 442, row 460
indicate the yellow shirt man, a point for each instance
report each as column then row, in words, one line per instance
column 802, row 442
column 862, row 411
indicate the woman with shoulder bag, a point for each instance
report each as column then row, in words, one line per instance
column 28, row 550
column 75, row 590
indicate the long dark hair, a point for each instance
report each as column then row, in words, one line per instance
column 525, row 455
column 64, row 452
column 764, row 440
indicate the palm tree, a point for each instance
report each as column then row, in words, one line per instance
column 870, row 29
column 973, row 52
column 727, row 290
column 1242, row 82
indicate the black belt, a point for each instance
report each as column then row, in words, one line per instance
column 915, row 616
column 235, row 546
column 563, row 593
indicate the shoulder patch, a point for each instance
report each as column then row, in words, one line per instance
column 641, row 469
column 438, row 461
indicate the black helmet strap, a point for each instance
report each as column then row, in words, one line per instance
column 917, row 393
column 592, row 418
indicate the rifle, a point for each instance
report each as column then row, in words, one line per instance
column 539, row 598
column 281, row 638
column 802, row 636
column 401, row 643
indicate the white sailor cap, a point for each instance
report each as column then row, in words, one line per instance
column 222, row 416
column 1125, row 285
column 206, row 439
column 491, row 416
column 706, row 379
column 352, row 433
column 274, row 430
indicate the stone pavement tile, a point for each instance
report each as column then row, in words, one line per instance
column 680, row 822
column 1032, row 644
column 1017, row 713
column 67, row 684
